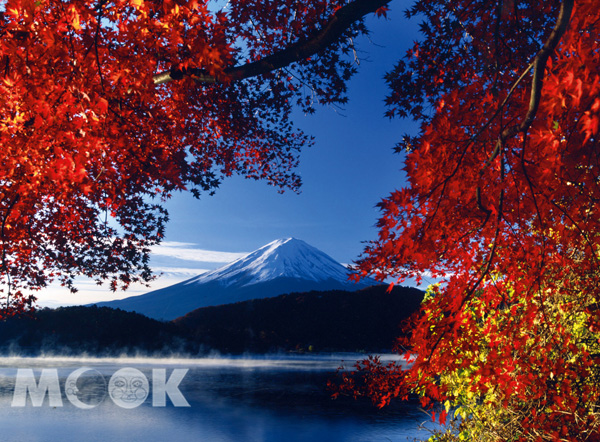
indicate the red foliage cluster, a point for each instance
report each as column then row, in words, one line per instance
column 502, row 203
column 110, row 106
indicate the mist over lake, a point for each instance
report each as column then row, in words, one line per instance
column 250, row 398
column 274, row 388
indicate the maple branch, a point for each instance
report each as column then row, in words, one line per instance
column 539, row 66
column 341, row 21
column 485, row 272
column 99, row 19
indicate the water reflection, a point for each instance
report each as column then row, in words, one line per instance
column 250, row 399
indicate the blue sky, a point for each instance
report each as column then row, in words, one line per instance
column 350, row 168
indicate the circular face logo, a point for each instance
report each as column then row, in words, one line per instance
column 85, row 391
column 128, row 388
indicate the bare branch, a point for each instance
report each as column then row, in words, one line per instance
column 330, row 33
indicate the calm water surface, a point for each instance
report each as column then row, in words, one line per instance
column 270, row 399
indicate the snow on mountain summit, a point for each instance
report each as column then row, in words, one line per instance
column 289, row 257
column 282, row 266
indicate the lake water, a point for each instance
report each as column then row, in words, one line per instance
column 270, row 399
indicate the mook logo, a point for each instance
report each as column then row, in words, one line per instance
column 86, row 388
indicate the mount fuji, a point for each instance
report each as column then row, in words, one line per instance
column 282, row 266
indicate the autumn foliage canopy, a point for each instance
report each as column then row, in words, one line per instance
column 109, row 106
column 503, row 206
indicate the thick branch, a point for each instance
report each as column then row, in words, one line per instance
column 539, row 66
column 332, row 31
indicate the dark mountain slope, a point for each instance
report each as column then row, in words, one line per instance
column 365, row 320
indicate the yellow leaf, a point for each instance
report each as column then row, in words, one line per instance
column 75, row 21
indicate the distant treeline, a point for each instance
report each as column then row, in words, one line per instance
column 93, row 330
column 367, row 320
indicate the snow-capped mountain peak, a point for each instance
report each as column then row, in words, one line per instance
column 289, row 257
column 282, row 266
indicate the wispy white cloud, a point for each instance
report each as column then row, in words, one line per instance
column 189, row 252
column 169, row 270
column 89, row 292
column 177, row 271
